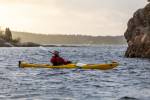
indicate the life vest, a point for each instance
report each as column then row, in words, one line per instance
column 56, row 60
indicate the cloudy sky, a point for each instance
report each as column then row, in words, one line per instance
column 88, row 17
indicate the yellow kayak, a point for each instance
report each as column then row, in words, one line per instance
column 70, row 66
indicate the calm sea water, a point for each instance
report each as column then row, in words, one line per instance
column 130, row 79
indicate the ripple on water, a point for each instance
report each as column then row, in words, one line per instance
column 130, row 80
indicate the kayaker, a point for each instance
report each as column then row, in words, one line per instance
column 57, row 60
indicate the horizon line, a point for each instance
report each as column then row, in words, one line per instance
column 36, row 33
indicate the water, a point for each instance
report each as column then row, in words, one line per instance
column 130, row 79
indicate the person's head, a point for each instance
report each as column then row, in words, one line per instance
column 56, row 53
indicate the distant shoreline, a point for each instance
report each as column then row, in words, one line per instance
column 68, row 39
column 23, row 39
column 76, row 45
column 69, row 45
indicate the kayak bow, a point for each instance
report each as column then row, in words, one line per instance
column 70, row 66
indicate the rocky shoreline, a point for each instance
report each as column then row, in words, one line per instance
column 6, row 40
column 9, row 44
column 138, row 34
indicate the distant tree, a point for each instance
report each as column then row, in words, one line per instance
column 8, row 35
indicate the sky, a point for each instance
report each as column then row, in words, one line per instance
column 86, row 17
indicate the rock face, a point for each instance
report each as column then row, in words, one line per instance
column 138, row 34
column 4, row 43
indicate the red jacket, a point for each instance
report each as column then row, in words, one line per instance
column 56, row 60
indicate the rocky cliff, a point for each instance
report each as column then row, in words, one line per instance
column 138, row 34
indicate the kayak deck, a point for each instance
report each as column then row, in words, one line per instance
column 70, row 66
